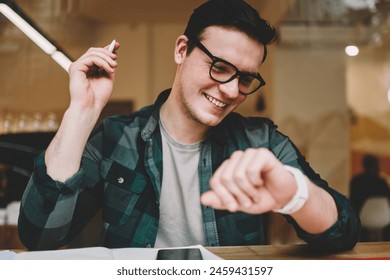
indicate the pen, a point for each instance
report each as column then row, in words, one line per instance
column 112, row 46
column 110, row 49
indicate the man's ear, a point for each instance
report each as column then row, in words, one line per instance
column 181, row 49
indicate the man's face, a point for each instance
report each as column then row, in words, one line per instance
column 201, row 98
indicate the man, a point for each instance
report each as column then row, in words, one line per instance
column 186, row 170
column 365, row 185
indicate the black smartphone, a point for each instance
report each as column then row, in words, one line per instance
column 179, row 254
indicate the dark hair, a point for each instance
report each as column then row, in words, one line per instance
column 236, row 14
column 370, row 162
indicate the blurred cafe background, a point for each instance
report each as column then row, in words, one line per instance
column 332, row 101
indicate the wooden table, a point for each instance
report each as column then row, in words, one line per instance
column 368, row 250
column 9, row 238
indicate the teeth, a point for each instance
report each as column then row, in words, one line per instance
column 216, row 102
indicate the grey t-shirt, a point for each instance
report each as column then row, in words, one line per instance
column 180, row 222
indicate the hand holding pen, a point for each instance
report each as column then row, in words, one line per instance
column 92, row 77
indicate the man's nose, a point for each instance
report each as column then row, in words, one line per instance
column 231, row 89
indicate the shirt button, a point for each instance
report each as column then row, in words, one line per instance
column 120, row 180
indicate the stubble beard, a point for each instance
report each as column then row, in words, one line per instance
column 189, row 112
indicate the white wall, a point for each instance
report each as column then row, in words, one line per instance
column 310, row 106
column 368, row 83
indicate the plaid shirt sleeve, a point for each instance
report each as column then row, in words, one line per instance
column 41, row 228
column 111, row 177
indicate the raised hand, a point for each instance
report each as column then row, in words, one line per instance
column 90, row 90
column 90, row 87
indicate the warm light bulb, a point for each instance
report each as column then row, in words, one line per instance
column 352, row 50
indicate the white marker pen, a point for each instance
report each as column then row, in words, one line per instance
column 110, row 49
column 112, row 46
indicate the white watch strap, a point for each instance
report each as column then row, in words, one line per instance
column 300, row 197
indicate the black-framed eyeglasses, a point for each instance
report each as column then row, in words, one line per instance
column 223, row 72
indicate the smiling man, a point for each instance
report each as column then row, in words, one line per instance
column 186, row 170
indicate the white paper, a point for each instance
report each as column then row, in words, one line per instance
column 7, row 255
column 102, row 253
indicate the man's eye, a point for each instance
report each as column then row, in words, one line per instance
column 246, row 81
column 221, row 68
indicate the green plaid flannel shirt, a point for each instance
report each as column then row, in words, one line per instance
column 121, row 172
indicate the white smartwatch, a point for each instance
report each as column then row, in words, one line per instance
column 300, row 197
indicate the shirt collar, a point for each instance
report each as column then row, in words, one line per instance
column 152, row 122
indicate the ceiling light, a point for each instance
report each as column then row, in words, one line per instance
column 352, row 50
column 35, row 36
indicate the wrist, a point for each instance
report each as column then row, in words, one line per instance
column 83, row 115
column 301, row 195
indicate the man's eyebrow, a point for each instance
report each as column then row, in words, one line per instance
column 242, row 72
column 250, row 73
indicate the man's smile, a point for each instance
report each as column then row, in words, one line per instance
column 215, row 101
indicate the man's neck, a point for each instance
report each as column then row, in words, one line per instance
column 179, row 126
